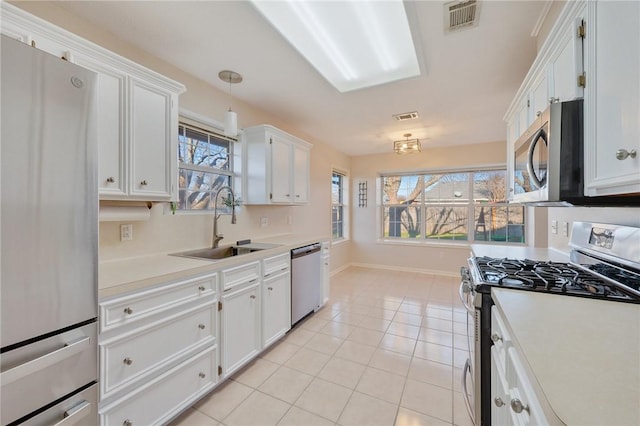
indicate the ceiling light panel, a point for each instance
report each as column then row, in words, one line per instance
column 353, row 44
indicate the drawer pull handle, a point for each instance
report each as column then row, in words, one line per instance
column 623, row 154
column 498, row 401
column 128, row 311
column 201, row 288
column 518, row 407
column 127, row 423
column 202, row 375
column 127, row 361
column 253, row 296
column 75, row 413
column 253, row 281
column 495, row 338
column 201, row 326
column 270, row 288
column 110, row 179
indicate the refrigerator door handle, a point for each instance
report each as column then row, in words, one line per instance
column 75, row 413
column 40, row 363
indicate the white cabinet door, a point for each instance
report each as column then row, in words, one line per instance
column 276, row 307
column 565, row 66
column 241, row 327
column 612, row 98
column 153, row 144
column 539, row 97
column 522, row 114
column 500, row 410
column 301, row 173
column 280, row 170
column 111, row 100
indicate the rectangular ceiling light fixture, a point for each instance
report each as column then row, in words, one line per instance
column 353, row 43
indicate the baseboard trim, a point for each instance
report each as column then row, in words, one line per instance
column 399, row 268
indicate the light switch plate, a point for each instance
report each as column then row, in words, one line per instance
column 126, row 232
column 554, row 226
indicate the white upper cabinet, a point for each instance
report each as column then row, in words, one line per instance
column 612, row 98
column 276, row 167
column 137, row 111
column 565, row 64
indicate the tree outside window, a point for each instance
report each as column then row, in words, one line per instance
column 465, row 206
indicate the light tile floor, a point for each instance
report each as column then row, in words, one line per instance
column 388, row 349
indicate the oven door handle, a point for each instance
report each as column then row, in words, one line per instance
column 465, row 395
column 463, row 297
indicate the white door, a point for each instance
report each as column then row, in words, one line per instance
column 280, row 170
column 276, row 307
column 300, row 174
column 240, row 322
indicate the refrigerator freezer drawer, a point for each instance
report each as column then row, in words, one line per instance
column 33, row 376
column 80, row 409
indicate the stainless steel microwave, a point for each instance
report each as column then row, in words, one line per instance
column 548, row 162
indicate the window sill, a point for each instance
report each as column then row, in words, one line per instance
column 449, row 244
column 335, row 243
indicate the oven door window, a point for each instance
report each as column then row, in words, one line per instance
column 531, row 162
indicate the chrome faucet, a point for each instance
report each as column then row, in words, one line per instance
column 216, row 216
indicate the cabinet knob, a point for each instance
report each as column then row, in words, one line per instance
column 518, row 407
column 622, row 154
column 495, row 338
column 270, row 288
column 201, row 288
column 127, row 361
column 110, row 179
column 143, row 183
column 498, row 401
column 553, row 100
column 127, row 423
column 202, row 375
column 128, row 311
column 538, row 113
column 253, row 296
column 287, row 195
column 297, row 196
column 201, row 326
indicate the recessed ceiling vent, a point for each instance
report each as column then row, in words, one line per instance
column 406, row 116
column 460, row 14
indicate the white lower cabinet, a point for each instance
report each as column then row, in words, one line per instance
column 158, row 401
column 326, row 273
column 276, row 298
column 240, row 326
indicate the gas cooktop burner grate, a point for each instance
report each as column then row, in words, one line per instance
column 555, row 277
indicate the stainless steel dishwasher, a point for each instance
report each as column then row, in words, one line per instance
column 306, row 273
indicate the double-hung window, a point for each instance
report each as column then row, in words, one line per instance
column 205, row 165
column 339, row 228
column 456, row 206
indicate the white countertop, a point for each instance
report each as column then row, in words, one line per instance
column 584, row 353
column 123, row 275
column 520, row 252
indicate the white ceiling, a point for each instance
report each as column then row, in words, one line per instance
column 468, row 77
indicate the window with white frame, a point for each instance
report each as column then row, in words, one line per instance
column 205, row 165
column 339, row 206
column 456, row 206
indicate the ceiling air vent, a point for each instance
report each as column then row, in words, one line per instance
column 406, row 116
column 460, row 14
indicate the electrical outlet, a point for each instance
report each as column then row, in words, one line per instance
column 554, row 226
column 126, row 232
column 565, row 229
column 264, row 221
column 289, row 220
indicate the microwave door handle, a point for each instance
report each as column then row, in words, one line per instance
column 537, row 182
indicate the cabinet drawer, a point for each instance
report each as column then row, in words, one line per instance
column 163, row 398
column 241, row 275
column 276, row 264
column 127, row 359
column 128, row 309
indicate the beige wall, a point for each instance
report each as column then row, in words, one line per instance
column 367, row 250
column 164, row 232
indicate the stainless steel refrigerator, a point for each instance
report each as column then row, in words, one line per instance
column 48, row 292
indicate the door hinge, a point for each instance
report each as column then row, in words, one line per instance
column 219, row 370
column 528, row 103
column 219, row 306
column 271, row 195
column 582, row 80
column 582, row 30
column 270, row 141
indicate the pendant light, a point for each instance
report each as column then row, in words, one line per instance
column 230, row 117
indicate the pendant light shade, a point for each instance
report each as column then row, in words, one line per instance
column 230, row 117
column 231, row 124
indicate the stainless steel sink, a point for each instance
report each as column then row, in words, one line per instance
column 214, row 253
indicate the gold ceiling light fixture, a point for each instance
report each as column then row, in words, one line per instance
column 230, row 117
column 407, row 146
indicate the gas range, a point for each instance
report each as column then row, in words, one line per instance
column 599, row 280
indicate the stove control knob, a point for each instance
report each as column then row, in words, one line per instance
column 495, row 338
column 518, row 407
column 498, row 401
